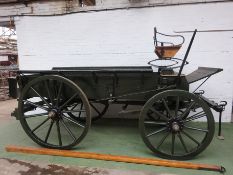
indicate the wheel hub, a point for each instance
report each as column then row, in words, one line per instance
column 175, row 125
column 53, row 114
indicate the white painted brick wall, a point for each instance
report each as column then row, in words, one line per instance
column 125, row 37
column 3, row 58
column 112, row 3
column 61, row 7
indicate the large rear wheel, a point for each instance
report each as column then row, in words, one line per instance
column 43, row 112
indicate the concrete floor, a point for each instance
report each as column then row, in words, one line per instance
column 112, row 137
column 16, row 167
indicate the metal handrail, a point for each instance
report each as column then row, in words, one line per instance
column 156, row 41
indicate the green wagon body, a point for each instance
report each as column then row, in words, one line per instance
column 104, row 83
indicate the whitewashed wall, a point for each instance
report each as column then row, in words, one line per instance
column 125, row 38
column 3, row 58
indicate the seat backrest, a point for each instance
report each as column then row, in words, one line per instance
column 164, row 49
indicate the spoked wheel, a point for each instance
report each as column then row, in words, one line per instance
column 43, row 112
column 182, row 128
column 98, row 109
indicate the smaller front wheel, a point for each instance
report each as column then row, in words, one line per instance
column 176, row 124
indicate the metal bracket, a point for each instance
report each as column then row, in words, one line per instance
column 15, row 114
column 201, row 84
column 221, row 106
column 200, row 92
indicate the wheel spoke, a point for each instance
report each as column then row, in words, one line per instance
column 40, row 124
column 70, row 111
column 162, row 140
column 155, row 123
column 35, row 115
column 156, row 132
column 196, row 129
column 48, row 91
column 81, row 107
column 54, row 89
column 159, row 114
column 41, row 97
column 59, row 133
column 95, row 108
column 182, row 142
column 59, row 93
column 49, row 130
column 36, row 105
column 167, row 108
column 177, row 106
column 73, row 121
column 68, row 129
column 71, row 98
column 149, row 114
column 195, row 116
column 74, row 106
column 190, row 137
column 186, row 112
column 173, row 143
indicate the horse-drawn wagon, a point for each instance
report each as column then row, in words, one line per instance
column 56, row 107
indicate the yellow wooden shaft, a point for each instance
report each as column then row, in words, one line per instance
column 116, row 158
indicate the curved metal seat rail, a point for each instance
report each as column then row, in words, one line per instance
column 164, row 49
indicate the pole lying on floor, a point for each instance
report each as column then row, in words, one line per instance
column 108, row 157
